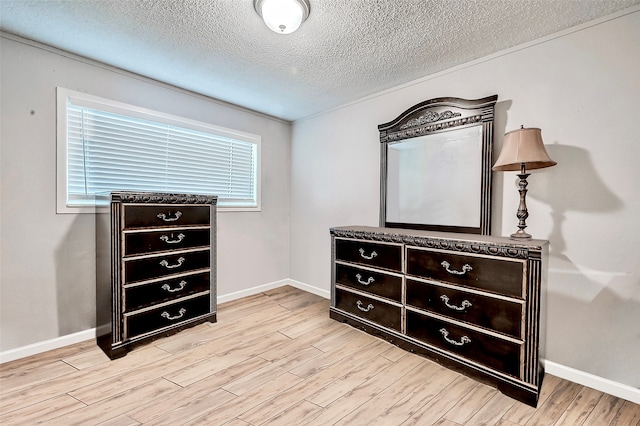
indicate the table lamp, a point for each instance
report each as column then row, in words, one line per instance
column 522, row 150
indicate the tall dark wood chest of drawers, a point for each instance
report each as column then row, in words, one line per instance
column 473, row 303
column 155, row 266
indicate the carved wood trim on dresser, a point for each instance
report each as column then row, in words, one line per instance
column 155, row 266
column 473, row 303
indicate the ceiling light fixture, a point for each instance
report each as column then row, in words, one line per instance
column 282, row 16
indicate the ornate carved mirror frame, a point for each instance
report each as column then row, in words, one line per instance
column 435, row 166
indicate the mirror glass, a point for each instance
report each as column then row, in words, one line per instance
column 435, row 166
column 417, row 197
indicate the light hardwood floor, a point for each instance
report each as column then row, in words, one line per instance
column 276, row 358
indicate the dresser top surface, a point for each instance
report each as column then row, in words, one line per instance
column 159, row 197
column 374, row 232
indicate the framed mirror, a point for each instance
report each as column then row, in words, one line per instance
column 435, row 168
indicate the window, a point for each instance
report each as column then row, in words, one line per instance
column 106, row 146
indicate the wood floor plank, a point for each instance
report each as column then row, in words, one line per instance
column 208, row 333
column 243, row 403
column 271, row 371
column 336, row 389
column 295, row 414
column 64, row 384
column 521, row 413
column 446, row 422
column 605, row 411
column 87, row 359
column 120, row 421
column 306, row 325
column 170, row 401
column 326, row 359
column 629, row 414
column 394, row 353
column 193, row 409
column 381, row 405
column 277, row 358
column 282, row 348
column 303, row 301
column 309, row 386
column 16, row 379
column 580, row 408
column 242, row 302
column 167, row 366
column 364, row 392
column 440, row 404
column 469, row 405
column 42, row 411
column 341, row 337
column 419, row 396
column 115, row 406
column 283, row 293
column 207, row 367
column 252, row 344
column 236, row 422
column 556, row 404
column 493, row 411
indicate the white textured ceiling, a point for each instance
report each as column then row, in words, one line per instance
column 346, row 50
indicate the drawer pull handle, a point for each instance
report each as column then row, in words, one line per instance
column 168, row 288
column 463, row 340
column 367, row 309
column 168, row 316
column 464, row 305
column 175, row 217
column 367, row 282
column 177, row 265
column 166, row 239
column 465, row 268
column 364, row 256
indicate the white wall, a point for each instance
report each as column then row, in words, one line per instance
column 47, row 275
column 582, row 88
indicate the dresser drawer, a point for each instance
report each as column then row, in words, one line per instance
column 156, row 241
column 145, row 295
column 493, row 352
column 374, row 310
column 137, row 216
column 166, row 316
column 497, row 275
column 387, row 256
column 164, row 265
column 378, row 283
column 503, row 316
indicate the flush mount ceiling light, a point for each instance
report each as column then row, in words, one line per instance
column 282, row 16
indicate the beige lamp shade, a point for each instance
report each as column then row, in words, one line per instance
column 523, row 146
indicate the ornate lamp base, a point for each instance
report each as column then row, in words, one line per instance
column 520, row 235
column 522, row 214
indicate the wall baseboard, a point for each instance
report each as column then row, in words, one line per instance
column 601, row 384
column 81, row 336
column 251, row 291
column 589, row 380
column 269, row 286
column 310, row 289
column 47, row 345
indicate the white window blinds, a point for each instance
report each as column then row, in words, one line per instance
column 109, row 151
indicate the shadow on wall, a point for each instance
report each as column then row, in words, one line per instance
column 75, row 276
column 572, row 185
column 590, row 309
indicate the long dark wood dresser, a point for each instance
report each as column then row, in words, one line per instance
column 472, row 303
column 155, row 266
